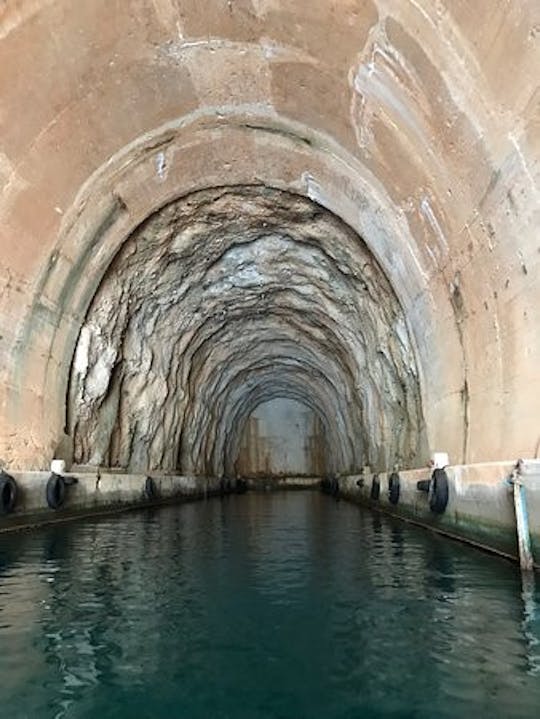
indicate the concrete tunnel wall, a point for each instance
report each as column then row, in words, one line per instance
column 407, row 132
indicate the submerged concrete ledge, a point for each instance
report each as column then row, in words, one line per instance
column 276, row 483
column 480, row 506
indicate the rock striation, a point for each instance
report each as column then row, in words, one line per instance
column 229, row 298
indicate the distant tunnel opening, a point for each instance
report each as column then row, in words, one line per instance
column 281, row 437
column 245, row 330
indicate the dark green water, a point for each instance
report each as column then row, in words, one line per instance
column 270, row 606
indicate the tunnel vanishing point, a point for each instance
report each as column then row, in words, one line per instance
column 269, row 236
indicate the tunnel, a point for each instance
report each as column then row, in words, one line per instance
column 269, row 359
column 223, row 301
column 263, row 237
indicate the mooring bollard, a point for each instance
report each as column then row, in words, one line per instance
column 522, row 519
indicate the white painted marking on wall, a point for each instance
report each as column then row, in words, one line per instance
column 427, row 211
column 161, row 165
column 270, row 50
column 81, row 360
column 430, row 253
column 175, row 50
column 313, row 189
column 535, row 186
column 380, row 80
column 11, row 183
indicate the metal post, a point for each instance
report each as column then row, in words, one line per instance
column 522, row 520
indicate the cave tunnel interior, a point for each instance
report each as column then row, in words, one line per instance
column 244, row 331
column 268, row 236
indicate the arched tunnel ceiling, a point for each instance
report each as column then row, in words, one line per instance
column 415, row 123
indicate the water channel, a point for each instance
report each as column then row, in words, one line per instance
column 262, row 606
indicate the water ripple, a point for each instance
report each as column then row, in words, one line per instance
column 262, row 606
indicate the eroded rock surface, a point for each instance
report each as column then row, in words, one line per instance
column 224, row 300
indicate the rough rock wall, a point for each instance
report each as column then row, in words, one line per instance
column 228, row 298
column 415, row 122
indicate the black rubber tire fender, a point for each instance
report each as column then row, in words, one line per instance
column 438, row 491
column 375, row 488
column 8, row 493
column 241, row 486
column 393, row 488
column 330, row 485
column 55, row 491
column 150, row 488
column 423, row 485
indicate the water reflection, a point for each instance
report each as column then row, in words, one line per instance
column 531, row 622
column 275, row 605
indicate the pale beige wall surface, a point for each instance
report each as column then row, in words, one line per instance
column 415, row 122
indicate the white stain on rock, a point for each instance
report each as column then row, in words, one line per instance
column 428, row 213
column 161, row 165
